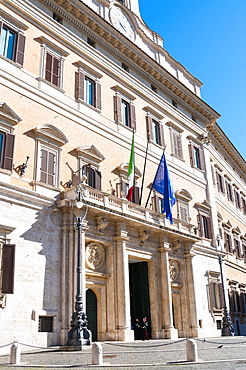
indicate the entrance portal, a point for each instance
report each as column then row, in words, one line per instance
column 91, row 312
column 139, row 291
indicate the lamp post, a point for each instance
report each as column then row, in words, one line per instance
column 227, row 326
column 79, row 335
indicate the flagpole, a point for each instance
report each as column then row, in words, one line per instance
column 145, row 161
column 155, row 177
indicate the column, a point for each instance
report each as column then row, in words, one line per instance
column 191, row 294
column 169, row 331
column 122, row 285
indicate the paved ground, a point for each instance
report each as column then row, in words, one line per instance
column 227, row 353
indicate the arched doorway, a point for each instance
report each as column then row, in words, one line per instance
column 91, row 312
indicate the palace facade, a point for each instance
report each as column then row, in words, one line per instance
column 76, row 79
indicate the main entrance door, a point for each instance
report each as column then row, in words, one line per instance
column 91, row 312
column 139, row 291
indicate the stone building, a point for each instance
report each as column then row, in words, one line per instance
column 77, row 78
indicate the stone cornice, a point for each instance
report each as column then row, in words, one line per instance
column 79, row 12
column 226, row 144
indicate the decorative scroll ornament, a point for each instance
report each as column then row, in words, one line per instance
column 173, row 269
column 94, row 255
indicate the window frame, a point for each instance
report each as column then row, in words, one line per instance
column 155, row 129
column 196, row 161
column 83, row 75
column 57, row 56
column 176, row 140
column 123, row 95
column 18, row 28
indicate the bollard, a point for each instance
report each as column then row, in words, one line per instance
column 97, row 358
column 15, row 352
column 191, row 350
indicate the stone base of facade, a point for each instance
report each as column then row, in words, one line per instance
column 170, row 333
column 126, row 335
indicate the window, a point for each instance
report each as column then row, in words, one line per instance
column 216, row 297
column 89, row 159
column 7, row 268
column 228, row 241
column 153, row 88
column 12, row 42
column 45, row 324
column 124, row 111
column 196, row 156
column 89, row 91
column 91, row 42
column 7, row 150
column 243, row 203
column 122, row 186
column 52, row 62
column 176, row 143
column 220, row 182
column 48, row 169
column 183, row 198
column 49, row 141
column 57, row 18
column 229, row 191
column 237, row 199
column 237, row 247
column 204, row 220
column 87, row 87
column 155, row 132
column 125, row 67
column 158, row 203
column 174, row 103
column 93, row 176
column 52, row 69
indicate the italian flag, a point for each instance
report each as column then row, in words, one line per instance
column 130, row 174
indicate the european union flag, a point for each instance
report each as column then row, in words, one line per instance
column 163, row 185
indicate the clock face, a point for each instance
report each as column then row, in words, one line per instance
column 122, row 23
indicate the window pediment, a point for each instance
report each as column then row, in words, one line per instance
column 50, row 133
column 44, row 41
column 88, row 70
column 8, row 115
column 183, row 194
column 203, row 206
column 90, row 153
column 122, row 169
column 123, row 92
column 227, row 225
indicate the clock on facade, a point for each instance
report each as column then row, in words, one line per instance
column 122, row 23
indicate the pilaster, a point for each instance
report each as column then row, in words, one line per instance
column 169, row 331
column 122, row 285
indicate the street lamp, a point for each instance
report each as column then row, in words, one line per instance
column 79, row 335
column 227, row 326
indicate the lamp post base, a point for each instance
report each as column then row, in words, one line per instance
column 227, row 326
column 77, row 338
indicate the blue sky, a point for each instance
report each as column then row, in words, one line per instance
column 209, row 38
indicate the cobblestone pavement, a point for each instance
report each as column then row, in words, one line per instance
column 227, row 353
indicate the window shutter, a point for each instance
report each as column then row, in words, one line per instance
column 211, row 295
column 79, row 85
column 117, row 109
column 20, row 48
column 48, row 67
column 132, row 116
column 135, row 198
column 191, row 151
column 1, row 25
column 213, row 176
column 161, row 134
column 209, row 227
column 180, row 153
column 56, row 71
column 202, row 161
column 98, row 180
column 149, row 128
column 183, row 213
column 199, row 224
column 98, row 102
column 51, row 168
column 8, row 152
column 8, row 262
column 44, row 166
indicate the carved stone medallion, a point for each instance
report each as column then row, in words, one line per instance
column 94, row 255
column 173, row 270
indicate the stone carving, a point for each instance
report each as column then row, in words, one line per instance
column 143, row 236
column 94, row 255
column 102, row 223
column 173, row 269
